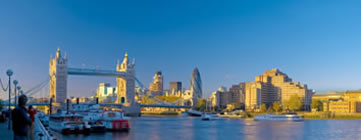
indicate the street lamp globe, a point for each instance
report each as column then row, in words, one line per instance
column 9, row 72
column 18, row 87
column 15, row 82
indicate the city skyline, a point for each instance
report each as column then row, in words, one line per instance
column 315, row 43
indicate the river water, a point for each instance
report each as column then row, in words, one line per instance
column 189, row 128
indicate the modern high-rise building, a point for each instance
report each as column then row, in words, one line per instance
column 237, row 93
column 196, row 86
column 106, row 93
column 273, row 86
column 175, row 87
column 220, row 98
column 156, row 87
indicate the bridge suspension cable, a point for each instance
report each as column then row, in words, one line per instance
column 37, row 90
column 139, row 83
column 2, row 86
column 38, row 87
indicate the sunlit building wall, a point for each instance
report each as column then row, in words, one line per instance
column 156, row 87
column 349, row 102
column 273, row 86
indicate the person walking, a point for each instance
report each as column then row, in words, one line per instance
column 31, row 112
column 21, row 120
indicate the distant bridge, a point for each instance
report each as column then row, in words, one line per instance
column 94, row 72
column 119, row 105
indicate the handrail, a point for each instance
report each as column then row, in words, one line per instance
column 40, row 130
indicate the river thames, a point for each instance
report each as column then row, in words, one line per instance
column 189, row 128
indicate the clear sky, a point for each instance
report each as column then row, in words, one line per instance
column 314, row 42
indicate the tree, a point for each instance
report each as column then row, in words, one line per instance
column 233, row 106
column 294, row 103
column 317, row 104
column 147, row 100
column 276, row 106
column 263, row 108
column 201, row 105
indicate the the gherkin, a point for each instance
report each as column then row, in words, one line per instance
column 196, row 84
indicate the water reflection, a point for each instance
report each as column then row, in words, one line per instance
column 168, row 128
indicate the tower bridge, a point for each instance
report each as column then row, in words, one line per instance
column 59, row 72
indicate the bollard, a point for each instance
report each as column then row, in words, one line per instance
column 50, row 106
column 67, row 106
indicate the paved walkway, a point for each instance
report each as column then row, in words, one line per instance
column 5, row 133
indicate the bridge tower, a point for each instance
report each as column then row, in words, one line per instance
column 126, row 84
column 58, row 71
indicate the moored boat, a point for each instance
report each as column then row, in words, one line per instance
column 115, row 121
column 68, row 124
column 286, row 117
column 194, row 113
column 93, row 119
column 206, row 117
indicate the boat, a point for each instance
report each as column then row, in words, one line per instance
column 285, row 117
column 67, row 123
column 92, row 117
column 237, row 114
column 206, row 117
column 230, row 116
column 115, row 121
column 194, row 113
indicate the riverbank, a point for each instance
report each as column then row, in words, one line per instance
column 171, row 113
column 330, row 116
column 311, row 115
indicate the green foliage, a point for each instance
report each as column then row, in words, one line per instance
column 233, row 106
column 147, row 100
column 276, row 106
column 201, row 105
column 294, row 103
column 270, row 109
column 263, row 108
column 317, row 104
column 168, row 99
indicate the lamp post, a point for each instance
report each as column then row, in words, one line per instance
column 17, row 93
column 15, row 82
column 9, row 72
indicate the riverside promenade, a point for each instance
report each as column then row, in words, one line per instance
column 5, row 133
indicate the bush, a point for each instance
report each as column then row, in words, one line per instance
column 294, row 103
column 276, row 106
column 263, row 108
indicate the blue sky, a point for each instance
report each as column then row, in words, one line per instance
column 314, row 42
